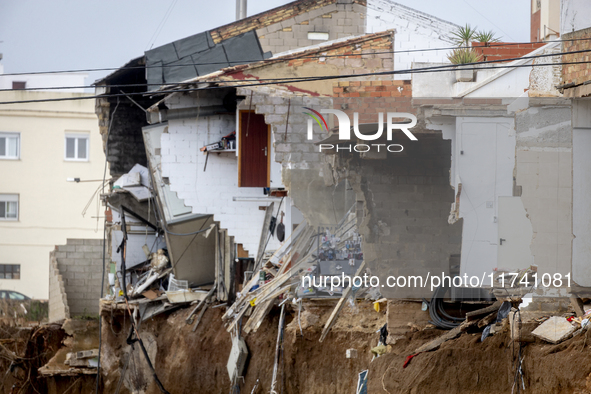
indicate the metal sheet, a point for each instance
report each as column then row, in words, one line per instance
column 192, row 256
column 193, row 44
column 243, row 49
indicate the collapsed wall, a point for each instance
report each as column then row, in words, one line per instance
column 406, row 199
column 75, row 279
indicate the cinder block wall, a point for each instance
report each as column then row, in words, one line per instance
column 338, row 20
column 79, row 265
column 285, row 28
column 407, row 203
column 58, row 300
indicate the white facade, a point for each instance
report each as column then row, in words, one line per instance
column 414, row 30
column 213, row 188
column 515, row 170
column 574, row 15
column 49, row 207
column 41, row 81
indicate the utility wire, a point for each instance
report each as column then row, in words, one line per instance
column 491, row 22
column 239, row 84
column 445, row 67
column 295, row 57
column 161, row 24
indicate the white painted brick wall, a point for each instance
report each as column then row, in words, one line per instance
column 212, row 191
column 414, row 30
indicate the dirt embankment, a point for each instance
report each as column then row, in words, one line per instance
column 195, row 362
column 466, row 365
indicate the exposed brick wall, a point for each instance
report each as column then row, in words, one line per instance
column 368, row 98
column 273, row 16
column 58, row 300
column 80, row 264
column 504, row 50
column 576, row 73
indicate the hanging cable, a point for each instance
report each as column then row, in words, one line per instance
column 98, row 372
column 241, row 84
column 245, row 61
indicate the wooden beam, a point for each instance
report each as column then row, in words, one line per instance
column 335, row 313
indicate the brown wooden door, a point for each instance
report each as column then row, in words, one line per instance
column 254, row 154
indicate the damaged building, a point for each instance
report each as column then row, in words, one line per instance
column 252, row 161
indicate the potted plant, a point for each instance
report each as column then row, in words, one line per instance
column 465, row 54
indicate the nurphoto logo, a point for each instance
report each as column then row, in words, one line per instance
column 375, row 132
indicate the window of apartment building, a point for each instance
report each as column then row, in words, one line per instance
column 10, row 271
column 9, row 145
column 77, row 147
column 8, row 206
column 19, row 85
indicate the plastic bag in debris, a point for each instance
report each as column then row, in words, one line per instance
column 352, row 298
column 373, row 294
column 383, row 333
column 485, row 333
column 503, row 311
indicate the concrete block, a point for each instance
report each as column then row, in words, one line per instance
column 63, row 263
column 93, row 255
column 554, row 330
column 93, row 242
column 75, row 268
column 66, row 248
column 73, row 241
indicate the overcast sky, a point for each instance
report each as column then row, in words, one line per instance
column 44, row 35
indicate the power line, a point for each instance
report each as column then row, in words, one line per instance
column 245, row 61
column 491, row 22
column 304, row 79
column 161, row 24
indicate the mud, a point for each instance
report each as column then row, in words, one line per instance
column 195, row 362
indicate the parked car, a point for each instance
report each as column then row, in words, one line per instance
column 13, row 295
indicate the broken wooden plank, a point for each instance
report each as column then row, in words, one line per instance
column 333, row 316
column 487, row 320
column 254, row 321
column 262, row 309
column 451, row 334
column 436, row 343
column 264, row 234
column 202, row 302
column 476, row 315
column 199, row 317
column 578, row 306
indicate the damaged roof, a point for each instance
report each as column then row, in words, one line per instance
column 198, row 55
column 273, row 16
column 239, row 72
